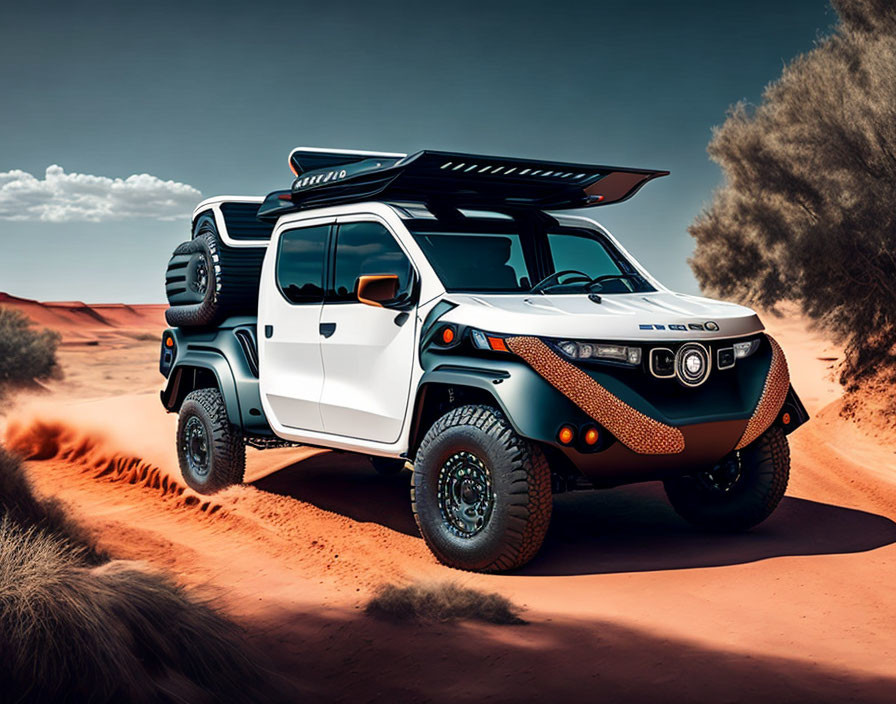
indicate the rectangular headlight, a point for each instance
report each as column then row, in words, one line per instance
column 745, row 349
column 598, row 350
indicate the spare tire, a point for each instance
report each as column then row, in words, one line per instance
column 207, row 281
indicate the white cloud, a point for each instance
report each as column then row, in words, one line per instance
column 62, row 197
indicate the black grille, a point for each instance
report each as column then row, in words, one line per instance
column 246, row 338
column 242, row 223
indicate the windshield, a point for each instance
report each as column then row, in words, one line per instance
column 480, row 255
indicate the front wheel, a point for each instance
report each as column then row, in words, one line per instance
column 210, row 451
column 481, row 494
column 739, row 492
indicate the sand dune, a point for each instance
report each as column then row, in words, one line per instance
column 625, row 602
column 78, row 321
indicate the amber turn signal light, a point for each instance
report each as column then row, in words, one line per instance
column 785, row 419
column 169, row 341
column 592, row 435
column 447, row 335
column 566, row 435
column 498, row 344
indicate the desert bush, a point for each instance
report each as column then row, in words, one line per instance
column 808, row 208
column 76, row 627
column 109, row 633
column 442, row 601
column 26, row 353
column 19, row 504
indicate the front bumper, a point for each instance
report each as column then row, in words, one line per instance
column 651, row 428
column 647, row 444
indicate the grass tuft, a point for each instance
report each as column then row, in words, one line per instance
column 441, row 601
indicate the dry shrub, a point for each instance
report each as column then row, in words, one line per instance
column 19, row 504
column 808, row 209
column 107, row 633
column 442, row 601
column 26, row 354
column 74, row 627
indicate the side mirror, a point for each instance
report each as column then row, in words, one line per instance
column 377, row 290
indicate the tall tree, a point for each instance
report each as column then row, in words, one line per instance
column 808, row 209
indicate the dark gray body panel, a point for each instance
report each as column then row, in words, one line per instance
column 219, row 352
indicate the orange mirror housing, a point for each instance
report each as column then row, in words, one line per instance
column 378, row 289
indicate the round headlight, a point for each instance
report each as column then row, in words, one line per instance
column 692, row 364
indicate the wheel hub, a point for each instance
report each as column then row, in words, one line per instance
column 200, row 277
column 196, row 447
column 465, row 494
column 724, row 476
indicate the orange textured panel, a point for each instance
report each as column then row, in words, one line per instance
column 777, row 383
column 632, row 428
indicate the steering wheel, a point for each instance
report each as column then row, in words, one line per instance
column 554, row 279
column 610, row 277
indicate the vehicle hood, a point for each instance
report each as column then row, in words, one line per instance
column 631, row 316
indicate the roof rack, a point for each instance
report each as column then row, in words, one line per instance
column 305, row 159
column 331, row 177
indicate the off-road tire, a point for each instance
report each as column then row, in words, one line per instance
column 387, row 466
column 520, row 480
column 225, row 446
column 231, row 277
column 765, row 469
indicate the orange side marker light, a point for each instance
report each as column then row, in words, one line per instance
column 566, row 435
column 169, row 342
column 447, row 335
column 592, row 436
column 785, row 419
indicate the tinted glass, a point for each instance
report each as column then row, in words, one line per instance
column 363, row 249
column 471, row 261
column 300, row 264
column 581, row 253
column 482, row 255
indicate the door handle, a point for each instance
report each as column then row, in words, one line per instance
column 327, row 329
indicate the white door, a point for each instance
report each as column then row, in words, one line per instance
column 368, row 351
column 291, row 373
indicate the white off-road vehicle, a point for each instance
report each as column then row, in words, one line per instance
column 436, row 311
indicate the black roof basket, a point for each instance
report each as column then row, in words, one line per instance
column 464, row 180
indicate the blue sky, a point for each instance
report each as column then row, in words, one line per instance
column 212, row 96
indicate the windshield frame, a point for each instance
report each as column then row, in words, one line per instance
column 532, row 229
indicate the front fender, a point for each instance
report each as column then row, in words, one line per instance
column 531, row 405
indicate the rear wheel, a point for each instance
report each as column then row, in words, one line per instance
column 481, row 494
column 210, row 451
column 739, row 492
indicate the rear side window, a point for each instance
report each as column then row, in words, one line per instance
column 300, row 264
column 363, row 249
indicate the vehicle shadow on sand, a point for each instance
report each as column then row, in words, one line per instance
column 627, row 529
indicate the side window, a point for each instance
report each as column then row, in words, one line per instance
column 365, row 248
column 300, row 264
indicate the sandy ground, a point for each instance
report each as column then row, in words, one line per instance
column 625, row 602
